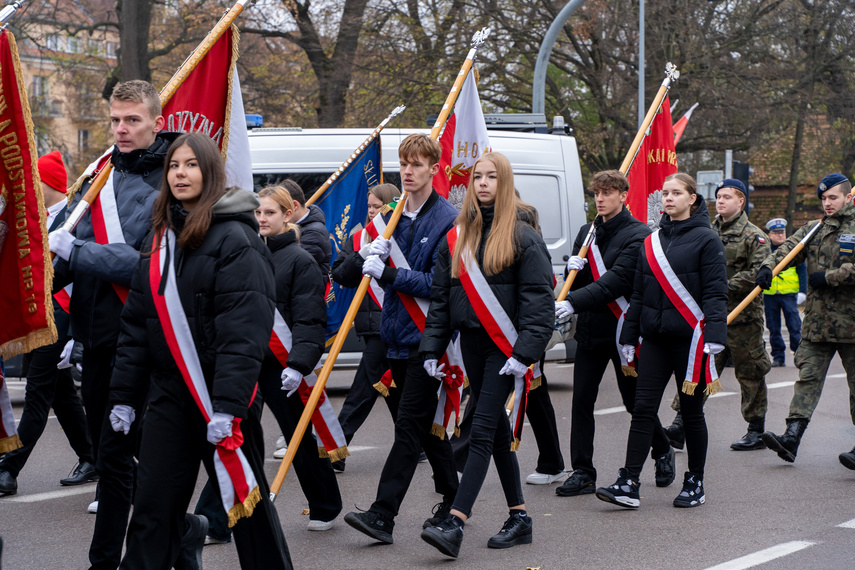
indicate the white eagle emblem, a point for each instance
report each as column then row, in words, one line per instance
column 654, row 209
column 456, row 195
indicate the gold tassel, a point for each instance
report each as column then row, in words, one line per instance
column 10, row 443
column 629, row 371
column 515, row 445
column 535, row 383
column 244, row 509
column 457, row 430
column 465, row 382
column 227, row 120
column 438, row 431
column 713, row 387
column 75, row 188
column 689, row 388
column 380, row 387
column 338, row 453
column 385, row 209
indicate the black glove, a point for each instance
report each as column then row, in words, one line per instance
column 764, row 278
column 817, row 280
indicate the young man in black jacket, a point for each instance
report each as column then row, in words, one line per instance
column 314, row 236
column 599, row 296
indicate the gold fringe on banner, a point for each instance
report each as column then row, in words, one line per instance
column 227, row 122
column 244, row 509
column 438, row 431
column 10, row 443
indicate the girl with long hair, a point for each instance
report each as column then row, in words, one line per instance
column 678, row 309
column 194, row 330
column 499, row 261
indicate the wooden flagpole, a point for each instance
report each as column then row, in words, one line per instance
column 324, row 375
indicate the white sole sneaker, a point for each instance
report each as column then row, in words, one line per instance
column 280, row 442
column 211, row 540
column 320, row 525
column 280, row 453
column 93, row 507
column 544, row 479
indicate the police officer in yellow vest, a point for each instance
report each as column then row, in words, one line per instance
column 787, row 292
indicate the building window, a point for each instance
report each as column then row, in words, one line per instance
column 54, row 42
column 72, row 45
column 93, row 47
column 39, row 95
column 82, row 140
column 56, row 108
column 111, row 49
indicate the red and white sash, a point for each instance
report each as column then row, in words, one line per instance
column 324, row 419
column 63, row 297
column 619, row 306
column 238, row 487
column 451, row 389
column 498, row 325
column 691, row 312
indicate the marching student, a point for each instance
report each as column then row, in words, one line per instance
column 314, row 236
column 427, row 217
column 493, row 283
column 195, row 329
column 599, row 297
column 678, row 312
column 347, row 271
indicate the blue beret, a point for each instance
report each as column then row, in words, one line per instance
column 830, row 181
column 731, row 183
column 776, row 224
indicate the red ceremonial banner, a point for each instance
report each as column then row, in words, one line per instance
column 25, row 267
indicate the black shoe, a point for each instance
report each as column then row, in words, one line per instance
column 195, row 531
column 778, row 363
column 516, row 530
column 338, row 466
column 692, row 494
column 676, row 434
column 8, row 483
column 623, row 492
column 422, row 457
column 440, row 513
column 84, row 472
column 666, row 469
column 446, row 536
column 753, row 438
column 848, row 459
column 374, row 525
column 787, row 445
column 579, row 483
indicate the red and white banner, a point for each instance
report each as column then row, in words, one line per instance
column 238, row 487
column 463, row 141
column 25, row 266
column 324, row 419
column 681, row 123
column 656, row 159
column 619, row 306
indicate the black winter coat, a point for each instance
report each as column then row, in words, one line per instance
column 524, row 290
column 696, row 255
column 227, row 290
column 300, row 299
column 619, row 240
column 347, row 272
column 315, row 238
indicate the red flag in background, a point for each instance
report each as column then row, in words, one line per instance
column 656, row 159
column 681, row 123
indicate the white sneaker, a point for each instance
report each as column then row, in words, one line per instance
column 543, row 479
column 93, row 507
column 320, row 525
column 280, row 453
column 211, row 540
column 280, row 442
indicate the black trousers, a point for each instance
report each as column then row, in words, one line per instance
column 587, row 374
column 95, row 388
column 541, row 418
column 362, row 395
column 173, row 444
column 49, row 387
column 491, row 433
column 659, row 359
column 412, row 435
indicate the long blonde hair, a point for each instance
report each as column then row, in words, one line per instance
column 282, row 197
column 501, row 246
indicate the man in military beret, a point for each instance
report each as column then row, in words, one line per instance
column 788, row 291
column 829, row 323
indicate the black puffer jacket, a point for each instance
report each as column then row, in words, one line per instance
column 300, row 300
column 347, row 272
column 619, row 241
column 315, row 238
column 696, row 255
column 524, row 290
column 227, row 291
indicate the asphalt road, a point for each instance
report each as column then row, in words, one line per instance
column 759, row 510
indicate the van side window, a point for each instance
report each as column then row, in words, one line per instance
column 542, row 192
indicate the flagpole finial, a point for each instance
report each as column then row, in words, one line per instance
column 480, row 37
column 9, row 11
column 671, row 72
column 397, row 111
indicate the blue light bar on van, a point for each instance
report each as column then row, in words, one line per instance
column 254, row 121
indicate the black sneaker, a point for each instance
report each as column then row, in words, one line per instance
column 440, row 513
column 579, row 483
column 692, row 494
column 847, row 459
column 516, row 530
column 666, row 469
column 338, row 466
column 446, row 536
column 623, row 493
column 374, row 525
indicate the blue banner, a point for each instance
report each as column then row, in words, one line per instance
column 345, row 206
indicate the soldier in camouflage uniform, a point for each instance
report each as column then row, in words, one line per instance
column 829, row 323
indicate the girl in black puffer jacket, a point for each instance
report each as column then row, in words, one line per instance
column 515, row 264
column 681, row 265
column 223, row 278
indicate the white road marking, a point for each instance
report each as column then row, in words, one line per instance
column 351, row 448
column 836, row 375
column 723, row 393
column 49, row 417
column 70, row 492
column 847, row 524
column 774, row 385
column 763, row 556
column 605, row 411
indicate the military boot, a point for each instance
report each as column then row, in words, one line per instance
column 676, row 434
column 787, row 445
column 848, row 459
column 753, row 439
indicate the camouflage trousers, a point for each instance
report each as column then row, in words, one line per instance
column 812, row 360
column 751, row 362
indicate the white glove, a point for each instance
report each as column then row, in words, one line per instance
column 577, row 263
column 514, row 367
column 61, row 242
column 432, row 370
column 712, row 348
column 800, row 298
column 121, row 418
column 65, row 355
column 563, row 309
column 373, row 266
column 220, row 427
column 628, row 352
column 291, row 380
column 380, row 247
